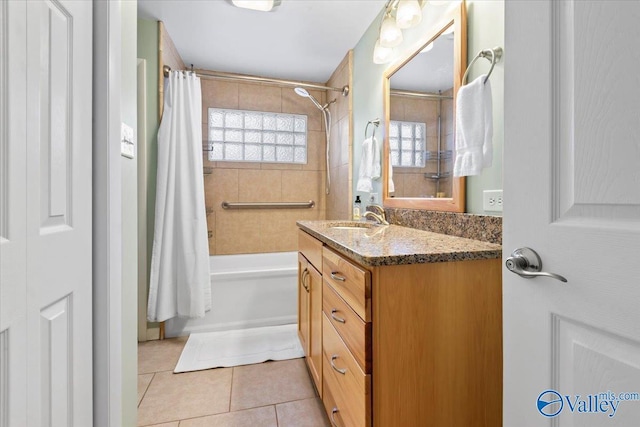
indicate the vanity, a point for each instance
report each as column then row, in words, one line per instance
column 401, row 327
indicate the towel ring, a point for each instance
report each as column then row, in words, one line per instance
column 375, row 123
column 495, row 53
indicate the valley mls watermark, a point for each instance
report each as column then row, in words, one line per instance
column 551, row 403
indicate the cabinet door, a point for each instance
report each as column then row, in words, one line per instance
column 314, row 285
column 304, row 301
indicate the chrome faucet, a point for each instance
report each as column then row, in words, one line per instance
column 381, row 217
column 380, row 210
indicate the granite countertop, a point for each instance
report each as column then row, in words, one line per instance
column 394, row 245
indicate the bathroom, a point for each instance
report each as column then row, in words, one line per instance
column 267, row 239
column 247, row 243
column 528, row 329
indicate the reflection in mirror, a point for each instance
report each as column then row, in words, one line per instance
column 420, row 91
column 421, row 122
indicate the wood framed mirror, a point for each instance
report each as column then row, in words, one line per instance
column 419, row 105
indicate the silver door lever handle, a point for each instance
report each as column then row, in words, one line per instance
column 527, row 263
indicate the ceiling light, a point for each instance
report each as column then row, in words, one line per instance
column 261, row 5
column 408, row 13
column 381, row 55
column 427, row 48
column 390, row 34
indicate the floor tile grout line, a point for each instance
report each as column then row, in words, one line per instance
column 210, row 415
column 146, row 389
column 274, row 404
column 233, row 370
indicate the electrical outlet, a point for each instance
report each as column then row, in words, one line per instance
column 373, row 197
column 492, row 200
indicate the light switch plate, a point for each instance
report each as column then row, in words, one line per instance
column 492, row 200
column 127, row 143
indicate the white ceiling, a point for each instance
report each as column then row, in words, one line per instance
column 428, row 71
column 299, row 40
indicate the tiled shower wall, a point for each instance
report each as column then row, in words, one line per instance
column 339, row 198
column 411, row 182
column 262, row 230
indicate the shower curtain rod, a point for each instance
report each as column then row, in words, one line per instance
column 245, row 77
column 419, row 94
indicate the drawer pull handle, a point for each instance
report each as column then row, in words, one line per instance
column 336, row 318
column 334, row 411
column 334, row 276
column 335, row 368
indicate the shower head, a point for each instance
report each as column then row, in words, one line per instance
column 305, row 94
column 302, row 92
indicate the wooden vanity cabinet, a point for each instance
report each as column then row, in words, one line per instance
column 420, row 345
column 310, row 304
column 346, row 338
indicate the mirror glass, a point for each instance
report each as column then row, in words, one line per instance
column 420, row 116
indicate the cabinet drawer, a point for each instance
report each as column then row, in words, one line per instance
column 349, row 387
column 331, row 406
column 350, row 281
column 311, row 248
column 355, row 333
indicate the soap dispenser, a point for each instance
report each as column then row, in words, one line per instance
column 357, row 206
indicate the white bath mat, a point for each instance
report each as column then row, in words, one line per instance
column 240, row 347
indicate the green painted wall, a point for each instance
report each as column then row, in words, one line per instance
column 148, row 50
column 485, row 29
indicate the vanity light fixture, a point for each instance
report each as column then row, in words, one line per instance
column 408, row 14
column 427, row 48
column 261, row 5
column 398, row 15
column 381, row 55
column 390, row 34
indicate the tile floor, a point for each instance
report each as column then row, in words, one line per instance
column 272, row 394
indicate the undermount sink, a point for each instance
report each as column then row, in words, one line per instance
column 351, row 225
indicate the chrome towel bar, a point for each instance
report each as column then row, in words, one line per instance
column 495, row 54
column 268, row 205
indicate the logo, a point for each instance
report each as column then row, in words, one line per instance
column 550, row 403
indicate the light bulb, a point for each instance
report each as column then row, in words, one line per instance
column 390, row 34
column 427, row 48
column 261, row 5
column 381, row 55
column 408, row 13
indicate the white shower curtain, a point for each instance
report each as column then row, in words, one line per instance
column 179, row 280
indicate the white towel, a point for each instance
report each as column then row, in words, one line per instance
column 391, row 188
column 474, row 128
column 369, row 165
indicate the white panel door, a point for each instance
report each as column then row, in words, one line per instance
column 13, row 260
column 572, row 193
column 45, row 317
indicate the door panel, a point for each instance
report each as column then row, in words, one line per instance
column 13, row 287
column 59, row 144
column 54, row 48
column 314, row 282
column 304, row 301
column 571, row 180
column 45, row 224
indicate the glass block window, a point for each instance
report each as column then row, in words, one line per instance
column 254, row 136
column 407, row 143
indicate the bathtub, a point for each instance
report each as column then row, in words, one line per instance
column 247, row 291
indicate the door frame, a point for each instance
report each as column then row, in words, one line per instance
column 107, row 215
